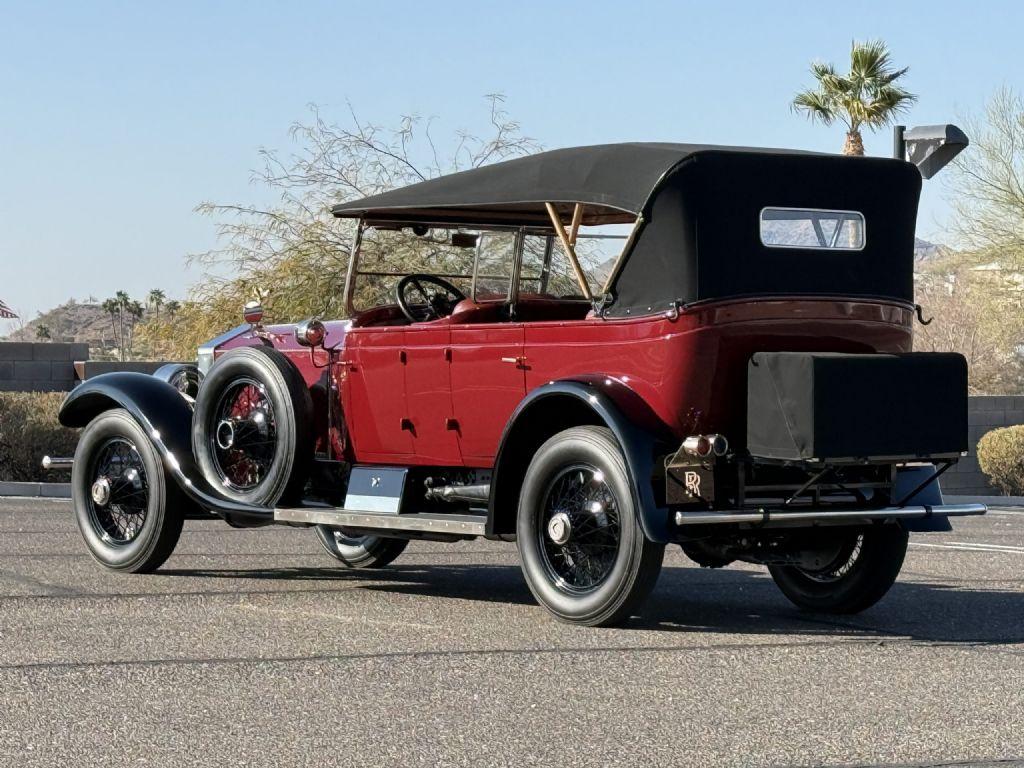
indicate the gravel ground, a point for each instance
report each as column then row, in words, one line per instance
column 251, row 648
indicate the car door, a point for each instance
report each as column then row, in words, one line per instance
column 428, row 394
column 373, row 393
column 488, row 380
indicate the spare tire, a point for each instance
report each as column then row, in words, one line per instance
column 252, row 427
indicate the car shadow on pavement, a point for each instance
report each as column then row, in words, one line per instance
column 726, row 601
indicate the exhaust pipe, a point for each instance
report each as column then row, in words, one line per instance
column 703, row 446
column 471, row 494
column 53, row 464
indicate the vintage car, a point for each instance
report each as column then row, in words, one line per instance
column 594, row 352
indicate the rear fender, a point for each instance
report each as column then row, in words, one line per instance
column 166, row 417
column 907, row 479
column 559, row 405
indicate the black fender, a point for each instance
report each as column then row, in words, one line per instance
column 166, row 417
column 185, row 377
column 907, row 479
column 558, row 405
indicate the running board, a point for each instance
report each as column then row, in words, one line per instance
column 770, row 516
column 454, row 525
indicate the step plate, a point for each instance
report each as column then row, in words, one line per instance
column 458, row 525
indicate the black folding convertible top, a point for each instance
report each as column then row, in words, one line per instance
column 700, row 209
column 615, row 181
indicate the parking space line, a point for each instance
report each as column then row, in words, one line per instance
column 968, row 547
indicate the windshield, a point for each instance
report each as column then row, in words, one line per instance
column 481, row 263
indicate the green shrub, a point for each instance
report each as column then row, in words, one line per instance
column 29, row 430
column 1001, row 458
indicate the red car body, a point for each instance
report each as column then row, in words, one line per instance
column 442, row 393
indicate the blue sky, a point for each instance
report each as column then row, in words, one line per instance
column 116, row 119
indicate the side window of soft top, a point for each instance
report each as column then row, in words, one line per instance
column 547, row 270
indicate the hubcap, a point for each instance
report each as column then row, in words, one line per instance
column 579, row 530
column 101, row 492
column 560, row 528
column 225, row 435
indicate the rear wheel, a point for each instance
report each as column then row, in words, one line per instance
column 862, row 568
column 129, row 515
column 359, row 551
column 583, row 552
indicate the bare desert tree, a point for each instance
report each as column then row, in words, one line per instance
column 292, row 256
column 977, row 310
column 987, row 183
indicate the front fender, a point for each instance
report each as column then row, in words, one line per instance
column 596, row 400
column 166, row 417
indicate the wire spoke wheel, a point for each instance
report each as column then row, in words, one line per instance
column 579, row 529
column 243, row 441
column 841, row 564
column 118, row 500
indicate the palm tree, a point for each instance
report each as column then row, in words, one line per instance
column 123, row 301
column 173, row 307
column 867, row 96
column 135, row 311
column 110, row 307
column 156, row 300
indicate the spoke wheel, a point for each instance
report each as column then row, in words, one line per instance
column 584, row 553
column 252, row 433
column 864, row 568
column 365, row 551
column 841, row 565
column 118, row 499
column 578, row 531
column 128, row 512
column 243, row 442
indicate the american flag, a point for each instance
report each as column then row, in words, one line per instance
column 6, row 312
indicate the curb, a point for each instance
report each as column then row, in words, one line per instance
column 36, row 490
column 992, row 501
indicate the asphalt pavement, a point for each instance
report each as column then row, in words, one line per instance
column 251, row 648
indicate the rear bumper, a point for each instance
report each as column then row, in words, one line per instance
column 783, row 518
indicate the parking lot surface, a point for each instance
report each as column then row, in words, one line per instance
column 252, row 648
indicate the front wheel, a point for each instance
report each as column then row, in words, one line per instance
column 862, row 567
column 583, row 552
column 129, row 514
column 359, row 551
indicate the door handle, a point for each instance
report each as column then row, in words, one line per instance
column 519, row 362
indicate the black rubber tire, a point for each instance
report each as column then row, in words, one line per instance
column 638, row 561
column 866, row 582
column 359, row 551
column 165, row 504
column 293, row 408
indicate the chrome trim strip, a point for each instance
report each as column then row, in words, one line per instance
column 826, row 515
column 462, row 525
column 204, row 356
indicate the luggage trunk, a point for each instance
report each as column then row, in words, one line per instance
column 829, row 407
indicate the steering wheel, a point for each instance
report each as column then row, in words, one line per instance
column 437, row 303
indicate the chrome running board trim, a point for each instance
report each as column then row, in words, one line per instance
column 769, row 516
column 455, row 525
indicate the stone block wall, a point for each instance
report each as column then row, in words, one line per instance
column 39, row 367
